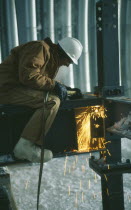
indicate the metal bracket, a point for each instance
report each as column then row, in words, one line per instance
column 109, row 91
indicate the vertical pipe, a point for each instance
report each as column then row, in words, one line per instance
column 83, row 37
column 92, row 43
column 127, row 70
column 11, row 24
column 67, row 32
column 38, row 19
column 51, row 20
column 31, row 28
column 21, row 20
column 48, row 19
column 125, row 45
column 0, row 48
column 119, row 35
column 0, row 52
column 3, row 30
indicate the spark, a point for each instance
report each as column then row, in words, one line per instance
column 80, row 184
column 76, row 200
column 69, row 190
column 94, row 195
column 74, row 165
column 76, row 157
column 27, row 184
column 83, row 168
column 129, row 198
column 65, row 165
column 87, row 160
column 95, row 178
column 108, row 152
column 82, row 196
column 107, row 191
column 89, row 184
column 105, row 177
column 108, row 166
column 96, row 125
column 83, row 116
column 107, row 142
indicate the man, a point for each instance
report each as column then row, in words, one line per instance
column 26, row 76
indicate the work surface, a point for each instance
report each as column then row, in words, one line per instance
column 67, row 184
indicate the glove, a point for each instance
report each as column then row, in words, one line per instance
column 76, row 95
column 61, row 91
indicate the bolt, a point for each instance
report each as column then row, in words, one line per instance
column 127, row 160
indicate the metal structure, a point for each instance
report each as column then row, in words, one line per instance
column 112, row 170
column 37, row 19
column 6, row 198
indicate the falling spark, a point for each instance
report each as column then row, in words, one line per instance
column 65, row 165
column 108, row 152
column 129, row 198
column 74, row 165
column 108, row 166
column 107, row 191
column 76, row 157
column 94, row 195
column 107, row 142
column 26, row 184
column 89, row 184
column 87, row 160
column 82, row 196
column 95, row 178
column 76, row 200
column 69, row 190
column 83, row 168
column 80, row 184
column 96, row 125
column 105, row 177
column 83, row 116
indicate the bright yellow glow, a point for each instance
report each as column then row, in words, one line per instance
column 85, row 139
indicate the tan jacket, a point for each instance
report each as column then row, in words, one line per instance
column 33, row 65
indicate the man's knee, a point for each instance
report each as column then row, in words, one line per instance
column 55, row 101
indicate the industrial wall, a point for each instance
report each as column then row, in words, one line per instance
column 26, row 20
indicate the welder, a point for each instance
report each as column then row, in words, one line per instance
column 26, row 76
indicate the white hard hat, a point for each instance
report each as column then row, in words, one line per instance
column 72, row 47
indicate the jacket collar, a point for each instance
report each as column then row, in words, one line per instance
column 53, row 50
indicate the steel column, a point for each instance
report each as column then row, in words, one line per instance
column 107, row 47
column 12, row 29
column 48, row 19
column 83, row 37
column 3, row 30
column 108, row 83
column 31, row 28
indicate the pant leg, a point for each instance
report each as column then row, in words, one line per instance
column 34, row 99
column 34, row 128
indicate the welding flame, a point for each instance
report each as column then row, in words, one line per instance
column 83, row 124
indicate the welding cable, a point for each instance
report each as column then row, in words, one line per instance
column 42, row 148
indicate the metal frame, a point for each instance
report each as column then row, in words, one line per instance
column 108, row 85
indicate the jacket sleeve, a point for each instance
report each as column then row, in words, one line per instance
column 31, row 59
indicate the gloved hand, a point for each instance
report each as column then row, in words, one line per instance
column 61, row 91
column 76, row 95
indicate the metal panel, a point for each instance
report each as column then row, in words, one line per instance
column 30, row 13
column 48, row 19
column 3, row 30
column 107, row 43
column 83, row 37
column 12, row 29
